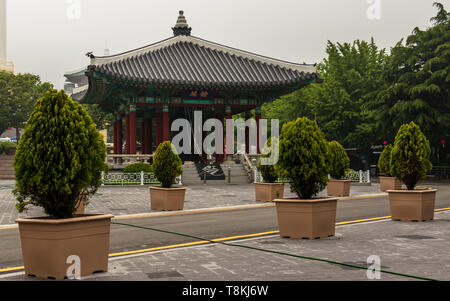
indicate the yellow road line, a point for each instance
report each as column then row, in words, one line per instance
column 217, row 239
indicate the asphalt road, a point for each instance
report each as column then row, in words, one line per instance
column 208, row 225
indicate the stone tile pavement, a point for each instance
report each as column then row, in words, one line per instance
column 420, row 249
column 125, row 200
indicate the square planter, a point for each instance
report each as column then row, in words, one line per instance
column 412, row 205
column 390, row 183
column 338, row 187
column 315, row 218
column 267, row 192
column 167, row 198
column 47, row 243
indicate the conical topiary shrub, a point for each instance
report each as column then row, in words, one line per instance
column 61, row 155
column 304, row 157
column 410, row 156
column 268, row 171
column 166, row 164
column 339, row 160
column 384, row 162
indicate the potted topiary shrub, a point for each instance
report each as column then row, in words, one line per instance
column 387, row 182
column 167, row 166
column 304, row 159
column 60, row 156
column 339, row 163
column 410, row 162
column 268, row 190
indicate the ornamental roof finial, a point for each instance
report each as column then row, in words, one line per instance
column 181, row 28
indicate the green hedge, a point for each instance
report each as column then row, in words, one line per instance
column 137, row 168
column 5, row 146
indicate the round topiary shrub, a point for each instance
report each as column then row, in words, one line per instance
column 339, row 160
column 410, row 155
column 166, row 164
column 268, row 171
column 60, row 157
column 137, row 168
column 384, row 162
column 304, row 157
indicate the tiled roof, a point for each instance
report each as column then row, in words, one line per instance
column 188, row 60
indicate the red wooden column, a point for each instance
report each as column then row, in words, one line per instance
column 158, row 128
column 147, row 134
column 220, row 157
column 143, row 136
column 132, row 129
column 165, row 123
column 115, row 135
column 127, row 133
column 258, row 139
column 247, row 133
column 228, row 115
column 119, row 135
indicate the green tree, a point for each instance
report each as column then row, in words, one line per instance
column 352, row 76
column 304, row 157
column 410, row 155
column 417, row 83
column 60, row 156
column 18, row 93
column 101, row 119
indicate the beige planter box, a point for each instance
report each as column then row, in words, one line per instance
column 315, row 218
column 267, row 192
column 390, row 183
column 167, row 198
column 47, row 243
column 338, row 187
column 412, row 205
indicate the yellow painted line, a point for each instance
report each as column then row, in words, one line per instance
column 217, row 239
column 11, row 269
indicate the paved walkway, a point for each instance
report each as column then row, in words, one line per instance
column 419, row 249
column 119, row 200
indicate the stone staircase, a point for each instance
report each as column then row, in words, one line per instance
column 6, row 167
column 238, row 175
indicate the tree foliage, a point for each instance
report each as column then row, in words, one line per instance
column 137, row 167
column 339, row 160
column 166, row 164
column 304, row 157
column 417, row 83
column 410, row 155
column 18, row 93
column 100, row 118
column 60, row 156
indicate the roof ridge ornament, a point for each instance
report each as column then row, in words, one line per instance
column 181, row 28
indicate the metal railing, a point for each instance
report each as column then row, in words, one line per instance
column 142, row 178
column 362, row 177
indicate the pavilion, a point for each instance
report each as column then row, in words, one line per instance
column 147, row 88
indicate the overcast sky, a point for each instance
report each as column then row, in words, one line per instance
column 47, row 38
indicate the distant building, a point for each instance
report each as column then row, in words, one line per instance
column 4, row 64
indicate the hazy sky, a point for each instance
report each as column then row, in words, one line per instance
column 45, row 37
